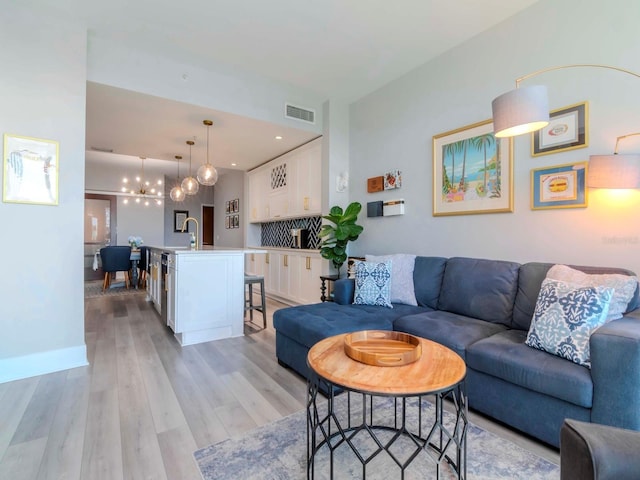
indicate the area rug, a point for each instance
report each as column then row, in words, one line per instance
column 278, row 451
column 93, row 289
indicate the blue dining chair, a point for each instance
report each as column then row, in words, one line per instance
column 142, row 265
column 115, row 259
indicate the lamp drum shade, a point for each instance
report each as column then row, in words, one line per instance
column 614, row 171
column 520, row 111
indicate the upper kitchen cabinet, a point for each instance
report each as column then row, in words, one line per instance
column 305, row 191
column 288, row 186
column 278, row 187
column 258, row 208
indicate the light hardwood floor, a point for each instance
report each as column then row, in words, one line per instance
column 144, row 404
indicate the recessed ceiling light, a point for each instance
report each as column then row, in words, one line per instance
column 234, row 164
column 278, row 137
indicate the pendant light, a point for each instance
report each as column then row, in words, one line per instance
column 189, row 184
column 176, row 193
column 207, row 173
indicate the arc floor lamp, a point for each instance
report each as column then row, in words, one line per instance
column 525, row 110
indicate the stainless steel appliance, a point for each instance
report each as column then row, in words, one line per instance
column 164, row 270
column 300, row 237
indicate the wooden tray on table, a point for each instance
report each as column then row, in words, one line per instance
column 382, row 348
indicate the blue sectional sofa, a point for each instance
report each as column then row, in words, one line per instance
column 482, row 309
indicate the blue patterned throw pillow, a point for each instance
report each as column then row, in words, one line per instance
column 565, row 317
column 373, row 284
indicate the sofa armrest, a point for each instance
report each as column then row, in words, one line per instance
column 591, row 451
column 343, row 291
column 615, row 363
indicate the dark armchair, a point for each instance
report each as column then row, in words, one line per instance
column 115, row 259
column 589, row 451
column 142, row 265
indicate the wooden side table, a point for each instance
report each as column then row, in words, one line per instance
column 439, row 372
column 323, row 287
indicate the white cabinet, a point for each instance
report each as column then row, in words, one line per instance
column 207, row 296
column 287, row 187
column 283, row 288
column 254, row 263
column 258, row 203
column 278, row 188
column 294, row 275
column 272, row 271
column 306, row 172
column 310, row 267
column 154, row 282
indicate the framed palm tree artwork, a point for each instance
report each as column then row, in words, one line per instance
column 472, row 171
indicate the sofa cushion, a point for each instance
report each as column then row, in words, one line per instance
column 427, row 280
column 449, row 329
column 506, row 356
column 308, row 324
column 624, row 286
column 479, row 288
column 373, row 284
column 402, row 289
column 565, row 317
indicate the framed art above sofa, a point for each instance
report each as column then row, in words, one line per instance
column 472, row 171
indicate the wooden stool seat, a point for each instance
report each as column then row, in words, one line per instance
column 250, row 280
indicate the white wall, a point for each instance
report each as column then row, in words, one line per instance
column 132, row 219
column 193, row 204
column 41, row 299
column 229, row 187
column 393, row 128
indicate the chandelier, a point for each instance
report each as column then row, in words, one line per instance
column 189, row 184
column 207, row 174
column 144, row 191
column 176, row 193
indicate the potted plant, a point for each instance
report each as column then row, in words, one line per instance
column 336, row 237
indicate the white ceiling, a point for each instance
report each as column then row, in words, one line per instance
column 340, row 49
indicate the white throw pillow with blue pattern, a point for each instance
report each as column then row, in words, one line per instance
column 565, row 317
column 373, row 284
column 402, row 288
column 624, row 286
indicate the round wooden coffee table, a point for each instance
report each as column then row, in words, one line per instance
column 439, row 372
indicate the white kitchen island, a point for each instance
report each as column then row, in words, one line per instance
column 199, row 293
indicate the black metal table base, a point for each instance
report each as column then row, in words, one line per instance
column 441, row 443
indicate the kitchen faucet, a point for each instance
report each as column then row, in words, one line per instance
column 184, row 225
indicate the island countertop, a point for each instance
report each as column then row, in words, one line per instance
column 207, row 249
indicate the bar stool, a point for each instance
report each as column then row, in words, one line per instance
column 248, row 304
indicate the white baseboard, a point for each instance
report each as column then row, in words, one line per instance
column 16, row 368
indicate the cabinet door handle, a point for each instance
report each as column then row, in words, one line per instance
column 286, row 260
column 266, row 258
column 166, row 283
column 308, row 263
column 305, row 203
column 253, row 257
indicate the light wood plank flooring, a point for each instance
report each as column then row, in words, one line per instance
column 144, row 404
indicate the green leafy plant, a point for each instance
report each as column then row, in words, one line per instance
column 337, row 236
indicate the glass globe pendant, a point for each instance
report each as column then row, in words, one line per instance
column 207, row 173
column 176, row 193
column 189, row 184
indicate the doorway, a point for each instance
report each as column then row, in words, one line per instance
column 99, row 229
column 207, row 225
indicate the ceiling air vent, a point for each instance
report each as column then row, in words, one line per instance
column 299, row 113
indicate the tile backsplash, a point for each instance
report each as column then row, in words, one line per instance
column 278, row 234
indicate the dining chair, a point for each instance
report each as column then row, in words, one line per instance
column 142, row 265
column 115, row 259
